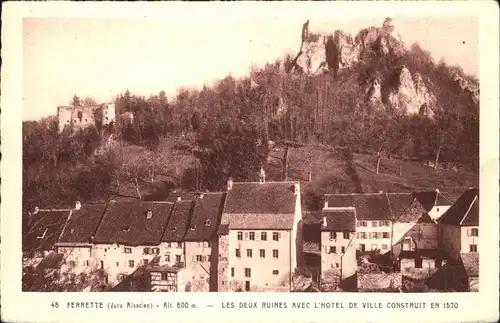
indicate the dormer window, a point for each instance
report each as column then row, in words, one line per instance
column 192, row 227
column 43, row 235
column 207, row 222
column 126, row 228
column 174, row 228
column 149, row 214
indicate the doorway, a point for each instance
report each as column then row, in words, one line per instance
column 247, row 285
column 102, row 264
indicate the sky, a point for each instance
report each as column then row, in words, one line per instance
column 101, row 58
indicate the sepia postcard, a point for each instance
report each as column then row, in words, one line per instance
column 251, row 161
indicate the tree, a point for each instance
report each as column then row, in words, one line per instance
column 132, row 171
column 76, row 102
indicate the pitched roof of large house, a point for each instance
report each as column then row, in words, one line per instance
column 339, row 200
column 179, row 221
column 206, row 217
column 82, row 224
column 44, row 228
column 339, row 220
column 269, row 205
column 372, row 207
column 430, row 199
column 470, row 261
column 261, row 198
column 312, row 217
column 465, row 211
column 128, row 223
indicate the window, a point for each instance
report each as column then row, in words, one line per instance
column 245, row 235
column 192, row 227
column 437, row 209
column 240, row 235
column 232, row 271
column 362, row 224
column 86, row 262
column 362, row 247
column 374, row 224
column 80, row 115
column 238, row 253
column 248, row 272
column 373, row 235
column 473, row 248
column 127, row 250
column 252, row 236
column 263, row 236
column 199, row 258
column 336, row 265
column 145, row 261
column 474, row 232
column 146, row 251
column 117, row 264
column 385, row 235
column 333, row 249
column 384, row 223
column 276, row 236
column 262, row 253
column 385, row 247
column 276, row 272
column 333, row 235
column 179, row 244
column 207, row 222
column 72, row 263
column 342, row 249
column 361, row 235
column 346, row 235
column 167, row 258
column 275, row 253
column 155, row 251
column 169, row 244
column 178, row 258
column 374, row 246
column 249, row 253
column 164, row 276
column 131, row 263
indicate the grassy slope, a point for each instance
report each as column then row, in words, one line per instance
column 330, row 171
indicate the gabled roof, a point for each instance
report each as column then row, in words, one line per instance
column 44, row 228
column 261, row 198
column 465, row 211
column 83, row 223
column 430, row 199
column 470, row 262
column 185, row 196
column 339, row 200
column 206, row 217
column 372, row 207
column 127, row 223
column 179, row 221
column 342, row 220
column 312, row 217
column 399, row 204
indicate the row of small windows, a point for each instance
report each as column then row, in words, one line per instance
column 372, row 235
column 156, row 251
column 383, row 223
column 248, row 272
column 262, row 253
column 263, row 236
column 374, row 246
column 345, row 235
column 333, row 249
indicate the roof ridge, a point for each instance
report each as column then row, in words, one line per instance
column 468, row 209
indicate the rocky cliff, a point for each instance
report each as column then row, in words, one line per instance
column 377, row 55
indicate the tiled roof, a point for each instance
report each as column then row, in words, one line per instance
column 206, row 217
column 372, row 206
column 127, row 223
column 429, row 199
column 83, row 223
column 44, row 228
column 185, row 196
column 470, row 261
column 261, row 198
column 223, row 230
column 339, row 220
column 261, row 221
column 179, row 221
column 399, row 203
column 339, row 200
column 464, row 211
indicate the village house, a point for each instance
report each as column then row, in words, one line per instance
column 75, row 241
column 261, row 225
column 165, row 278
column 172, row 247
column 201, row 242
column 459, row 226
column 435, row 202
column 129, row 235
column 338, row 245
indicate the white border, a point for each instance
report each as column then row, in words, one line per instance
column 35, row 307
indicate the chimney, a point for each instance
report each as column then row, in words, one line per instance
column 437, row 190
column 149, row 215
column 201, row 196
column 324, row 221
column 78, row 205
column 296, row 187
column 37, row 209
column 229, row 184
column 179, row 198
column 262, row 175
column 326, row 204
